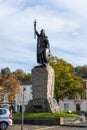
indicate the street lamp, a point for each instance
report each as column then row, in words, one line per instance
column 22, row 109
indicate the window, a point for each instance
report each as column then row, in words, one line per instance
column 2, row 111
column 77, row 107
column 66, row 106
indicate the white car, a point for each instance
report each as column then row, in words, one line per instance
column 5, row 118
column 5, row 106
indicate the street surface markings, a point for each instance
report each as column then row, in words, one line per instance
column 44, row 128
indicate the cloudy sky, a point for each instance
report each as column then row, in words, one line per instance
column 64, row 22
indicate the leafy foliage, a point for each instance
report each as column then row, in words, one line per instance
column 11, row 81
column 5, row 72
column 81, row 71
column 21, row 76
column 67, row 85
column 11, row 84
column 67, row 82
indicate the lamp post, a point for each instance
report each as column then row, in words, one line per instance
column 22, row 109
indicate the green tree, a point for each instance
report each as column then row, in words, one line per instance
column 81, row 71
column 27, row 78
column 5, row 72
column 19, row 74
column 66, row 83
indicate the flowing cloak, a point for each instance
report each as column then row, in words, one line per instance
column 42, row 47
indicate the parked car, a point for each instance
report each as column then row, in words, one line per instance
column 10, row 107
column 5, row 118
column 5, row 106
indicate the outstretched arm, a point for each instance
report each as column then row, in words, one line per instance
column 35, row 31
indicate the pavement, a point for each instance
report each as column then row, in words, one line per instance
column 84, row 125
column 80, row 126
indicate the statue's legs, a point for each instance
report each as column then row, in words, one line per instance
column 43, row 57
column 40, row 58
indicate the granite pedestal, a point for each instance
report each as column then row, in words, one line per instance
column 43, row 78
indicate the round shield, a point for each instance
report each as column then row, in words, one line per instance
column 47, row 55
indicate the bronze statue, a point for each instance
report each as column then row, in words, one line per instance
column 43, row 46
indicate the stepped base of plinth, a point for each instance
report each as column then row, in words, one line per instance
column 43, row 105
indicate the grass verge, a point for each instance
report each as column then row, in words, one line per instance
column 45, row 115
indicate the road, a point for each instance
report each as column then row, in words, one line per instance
column 35, row 127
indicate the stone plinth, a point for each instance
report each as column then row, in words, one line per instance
column 43, row 78
column 43, row 82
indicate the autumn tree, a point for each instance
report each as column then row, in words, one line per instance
column 66, row 83
column 21, row 75
column 1, row 79
column 11, row 84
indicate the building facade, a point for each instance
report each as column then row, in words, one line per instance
column 23, row 97
column 17, row 99
column 75, row 104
